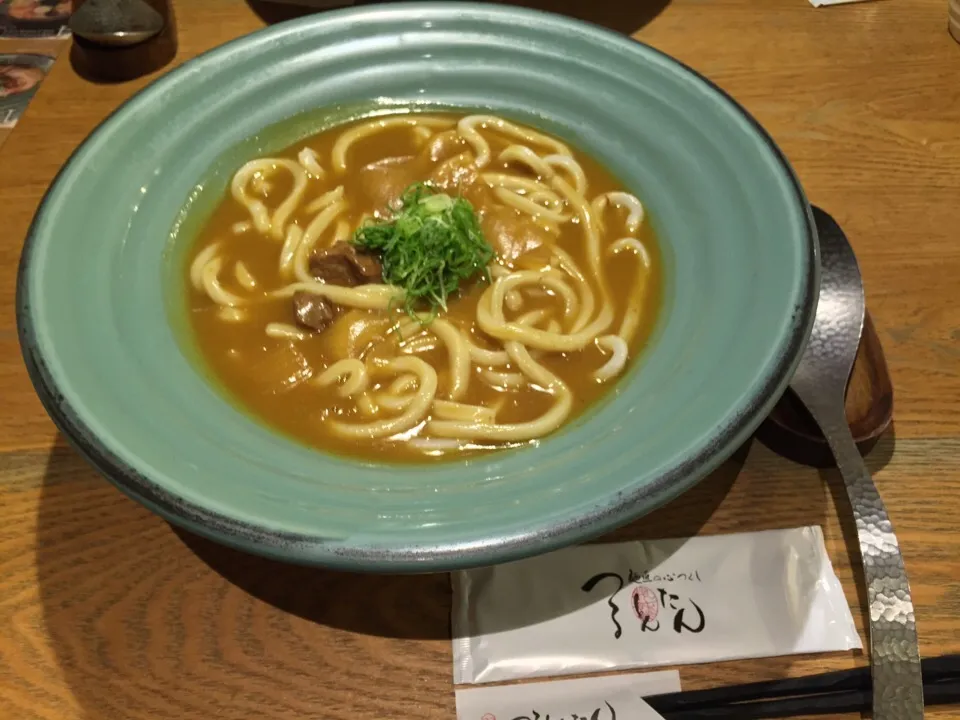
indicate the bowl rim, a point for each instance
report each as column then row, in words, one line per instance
column 315, row 550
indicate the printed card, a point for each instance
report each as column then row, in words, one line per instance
column 34, row 18
column 616, row 697
column 20, row 75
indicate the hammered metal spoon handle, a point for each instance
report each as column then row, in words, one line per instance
column 894, row 651
column 820, row 383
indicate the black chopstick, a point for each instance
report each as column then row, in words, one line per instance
column 793, row 690
column 946, row 692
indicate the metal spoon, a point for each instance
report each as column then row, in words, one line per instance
column 820, row 382
column 120, row 23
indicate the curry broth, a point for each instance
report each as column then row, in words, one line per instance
column 269, row 377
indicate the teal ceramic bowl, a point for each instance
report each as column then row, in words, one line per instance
column 102, row 329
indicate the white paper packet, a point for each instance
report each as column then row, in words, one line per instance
column 616, row 697
column 641, row 604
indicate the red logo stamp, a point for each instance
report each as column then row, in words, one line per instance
column 645, row 604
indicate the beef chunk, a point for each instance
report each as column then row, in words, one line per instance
column 312, row 311
column 333, row 269
column 343, row 263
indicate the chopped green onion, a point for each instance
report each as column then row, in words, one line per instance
column 429, row 247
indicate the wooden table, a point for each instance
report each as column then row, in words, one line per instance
column 107, row 613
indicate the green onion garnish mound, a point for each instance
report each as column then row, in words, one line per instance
column 428, row 247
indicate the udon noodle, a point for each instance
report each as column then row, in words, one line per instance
column 361, row 365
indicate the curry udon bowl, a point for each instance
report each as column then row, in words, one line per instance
column 104, row 332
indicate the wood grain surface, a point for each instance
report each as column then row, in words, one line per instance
column 108, row 613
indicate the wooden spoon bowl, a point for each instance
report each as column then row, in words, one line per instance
column 791, row 432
